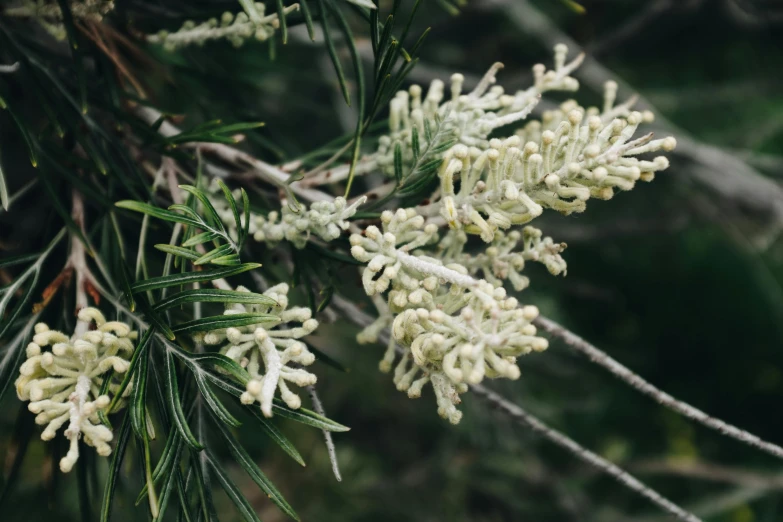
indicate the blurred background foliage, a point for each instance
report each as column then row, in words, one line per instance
column 680, row 280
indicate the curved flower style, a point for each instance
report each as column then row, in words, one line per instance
column 65, row 384
column 268, row 351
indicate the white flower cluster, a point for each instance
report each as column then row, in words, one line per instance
column 467, row 118
column 268, row 350
column 234, row 28
column 49, row 15
column 64, row 385
column 454, row 329
column 505, row 257
column 573, row 155
column 324, row 219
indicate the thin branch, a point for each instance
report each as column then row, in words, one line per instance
column 631, row 27
column 711, row 472
column 319, row 409
column 236, row 157
column 638, row 383
column 357, row 316
column 623, row 477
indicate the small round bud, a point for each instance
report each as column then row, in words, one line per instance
column 530, row 312
column 254, row 387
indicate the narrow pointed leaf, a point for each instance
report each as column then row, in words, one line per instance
column 175, row 406
column 229, row 260
column 232, row 204
column 305, row 416
column 178, row 251
column 202, row 276
column 246, row 212
column 198, row 239
column 233, row 492
column 214, row 295
column 208, row 208
column 276, row 435
column 226, row 364
column 217, row 322
column 114, row 469
column 246, row 461
column 219, row 252
column 156, row 212
column 217, row 407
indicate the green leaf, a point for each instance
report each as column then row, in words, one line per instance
column 236, row 496
column 246, row 211
column 226, row 364
column 305, row 416
column 3, row 190
column 13, row 353
column 233, row 205
column 125, row 277
column 198, row 239
column 168, row 486
column 23, row 433
column 168, row 458
column 156, row 212
column 574, row 6
column 242, row 457
column 229, row 260
column 283, row 23
column 156, row 283
column 338, row 68
column 217, row 407
column 32, row 146
column 302, row 415
column 219, row 252
column 175, row 406
column 154, row 318
column 361, row 91
column 214, row 295
column 415, row 143
column 18, row 260
column 114, row 468
column 178, row 251
column 218, row 322
column 276, row 435
column 308, row 17
column 187, row 211
column 137, row 408
column 398, row 162
column 209, row 210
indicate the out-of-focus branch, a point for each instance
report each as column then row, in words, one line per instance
column 357, row 316
column 237, row 158
column 626, row 479
column 711, row 472
column 638, row 383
